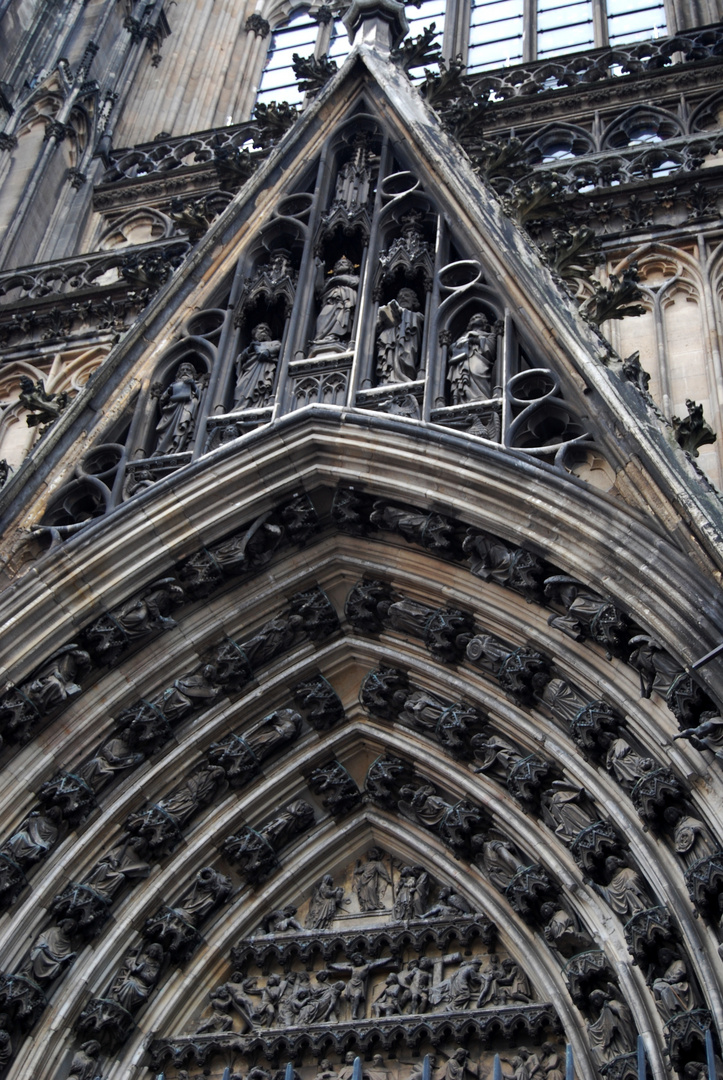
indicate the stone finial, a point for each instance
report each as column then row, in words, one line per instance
column 376, row 22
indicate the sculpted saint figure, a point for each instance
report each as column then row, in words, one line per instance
column 388, row 1002
column 110, row 758
column 494, row 755
column 625, row 892
column 708, row 735
column 179, row 405
column 612, row 1033
column 412, row 890
column 57, row 678
column 693, row 840
column 325, row 903
column 471, row 361
column 672, row 991
column 256, row 368
column 84, row 1065
column 561, row 808
column 500, row 862
column 359, row 971
column 51, row 953
column 339, row 297
column 416, row 982
column 625, row 764
column 400, row 325
column 282, row 921
column 123, row 863
column 34, row 838
column 133, row 985
column 371, row 880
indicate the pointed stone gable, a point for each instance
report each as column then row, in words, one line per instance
column 484, row 342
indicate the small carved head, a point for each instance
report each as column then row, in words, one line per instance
column 407, row 298
column 478, row 322
column 343, row 265
column 186, row 371
column 262, row 332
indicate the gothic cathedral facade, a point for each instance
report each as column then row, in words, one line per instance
column 361, row 709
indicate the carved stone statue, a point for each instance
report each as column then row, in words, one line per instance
column 471, row 361
column 151, row 610
column 282, row 921
column 500, row 862
column 625, row 892
column 562, row 810
column 625, row 764
column 672, row 990
column 399, row 342
column 416, row 983
column 371, row 880
column 178, row 406
column 693, row 840
column 51, row 953
column 209, row 889
column 339, row 298
column 708, row 735
column 187, row 694
column 123, row 863
column 353, row 181
column 137, row 978
column 326, row 903
column 56, row 680
column 449, row 904
column 359, row 971
column 110, row 758
column 35, row 837
column 459, row 1066
column 256, row 369
column 458, row 992
column 84, row 1065
column 388, row 1001
column 494, row 755
column 410, row 901
column 197, row 791
column 612, row 1033
column 562, row 928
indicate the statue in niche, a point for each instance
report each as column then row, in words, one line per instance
column 371, row 881
column 551, row 1062
column 256, row 369
column 389, row 1001
column 110, row 758
column 524, row 1065
column 626, row 765
column 338, row 303
column 471, row 361
column 562, row 811
column 416, row 982
column 353, row 182
column 179, row 406
column 377, row 1071
column 459, row 1066
column 56, row 680
column 51, row 953
column 625, row 892
column 347, row 1070
column 326, row 1071
column 560, row 696
column 422, row 804
column 35, row 837
column 325, row 904
column 612, row 1033
column 359, row 970
column 562, row 929
column 672, row 990
column 282, row 921
column 124, row 862
column 137, row 978
column 460, row 989
column 187, row 694
column 410, row 901
column 500, row 862
column 449, row 904
column 400, row 325
column 84, row 1065
column 495, row 755
column 692, row 839
column 273, row 732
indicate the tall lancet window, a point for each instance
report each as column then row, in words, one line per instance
column 305, row 35
column 495, row 34
column 635, row 20
column 564, row 26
